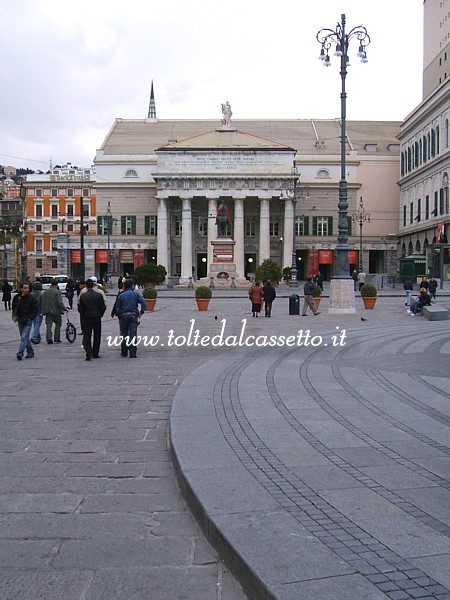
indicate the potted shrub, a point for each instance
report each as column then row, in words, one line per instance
column 268, row 269
column 149, row 275
column 287, row 274
column 369, row 295
column 150, row 294
column 316, row 295
column 202, row 296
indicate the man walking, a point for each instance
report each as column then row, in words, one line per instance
column 308, row 290
column 52, row 307
column 269, row 296
column 127, row 309
column 36, row 332
column 92, row 307
column 361, row 278
column 24, row 309
column 408, row 287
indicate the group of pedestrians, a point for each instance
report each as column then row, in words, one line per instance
column 262, row 295
column 427, row 292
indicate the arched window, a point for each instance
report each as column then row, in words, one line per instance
column 446, row 133
column 323, row 174
column 428, row 146
column 131, row 173
column 416, row 154
column 402, row 164
column 410, row 248
column 403, row 250
column 420, row 151
column 418, row 246
column 424, row 148
column 437, row 140
column 433, row 142
column 425, row 246
column 409, row 160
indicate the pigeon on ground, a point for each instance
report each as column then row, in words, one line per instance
column 363, row 319
column 215, row 317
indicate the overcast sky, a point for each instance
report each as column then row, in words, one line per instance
column 70, row 69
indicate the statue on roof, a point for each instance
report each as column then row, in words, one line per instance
column 226, row 112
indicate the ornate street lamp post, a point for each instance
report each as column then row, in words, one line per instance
column 342, row 298
column 290, row 191
column 360, row 217
column 109, row 224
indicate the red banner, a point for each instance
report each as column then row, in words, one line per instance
column 313, row 263
column 353, row 257
column 138, row 258
column 101, row 256
column 326, row 257
column 75, row 256
column 440, row 232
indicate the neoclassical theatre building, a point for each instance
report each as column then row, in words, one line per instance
column 159, row 184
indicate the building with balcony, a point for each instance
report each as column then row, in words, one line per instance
column 52, row 219
column 425, row 153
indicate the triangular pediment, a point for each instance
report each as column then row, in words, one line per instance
column 225, row 139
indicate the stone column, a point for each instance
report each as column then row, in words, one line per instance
column 264, row 231
column 162, row 241
column 186, row 241
column 239, row 257
column 288, row 237
column 212, row 228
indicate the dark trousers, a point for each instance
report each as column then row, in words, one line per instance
column 268, row 308
column 91, row 326
column 128, row 323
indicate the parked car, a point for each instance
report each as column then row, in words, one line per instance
column 61, row 279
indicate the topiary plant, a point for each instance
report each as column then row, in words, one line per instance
column 150, row 293
column 317, row 291
column 150, row 273
column 203, row 291
column 268, row 269
column 287, row 275
column 368, row 290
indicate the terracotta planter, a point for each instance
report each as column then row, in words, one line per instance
column 317, row 300
column 150, row 302
column 369, row 301
column 202, row 303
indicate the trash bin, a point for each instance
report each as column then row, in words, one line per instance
column 294, row 304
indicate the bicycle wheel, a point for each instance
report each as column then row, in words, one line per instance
column 71, row 333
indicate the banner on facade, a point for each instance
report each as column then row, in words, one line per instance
column 353, row 257
column 138, row 258
column 326, row 257
column 101, row 256
column 75, row 256
column 127, row 256
column 440, row 232
column 313, row 263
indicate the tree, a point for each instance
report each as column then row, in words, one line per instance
column 268, row 269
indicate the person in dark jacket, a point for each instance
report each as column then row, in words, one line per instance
column 70, row 292
column 25, row 308
column 308, row 290
column 6, row 298
column 422, row 300
column 408, row 287
column 269, row 296
column 92, row 307
column 127, row 309
column 432, row 287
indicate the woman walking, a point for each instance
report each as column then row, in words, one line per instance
column 256, row 295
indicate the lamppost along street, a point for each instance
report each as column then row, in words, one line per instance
column 290, row 191
column 109, row 224
column 342, row 299
column 360, row 217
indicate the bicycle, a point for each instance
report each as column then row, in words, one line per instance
column 71, row 331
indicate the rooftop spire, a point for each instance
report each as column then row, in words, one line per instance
column 152, row 106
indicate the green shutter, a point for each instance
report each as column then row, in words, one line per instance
column 314, row 228
column 330, row 225
column 306, row 226
column 349, row 225
column 146, row 225
column 123, row 225
column 133, row 225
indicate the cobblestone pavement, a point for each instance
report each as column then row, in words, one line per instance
column 89, row 504
column 90, row 508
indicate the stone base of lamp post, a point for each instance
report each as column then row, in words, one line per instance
column 342, row 297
